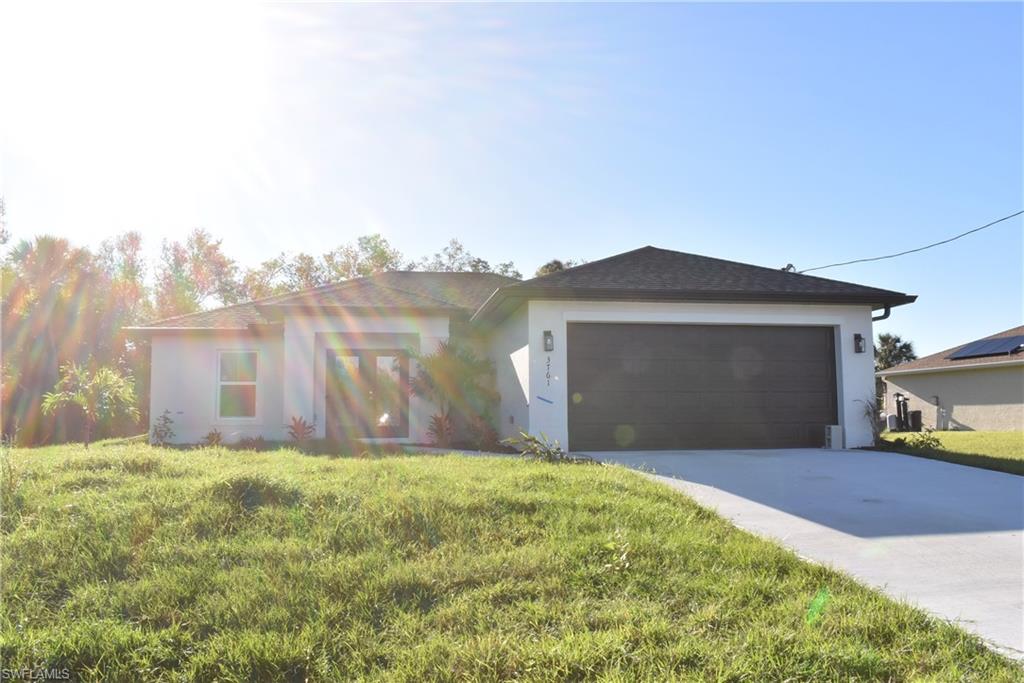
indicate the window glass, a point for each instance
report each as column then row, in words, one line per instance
column 238, row 400
column 389, row 391
column 238, row 367
column 237, row 391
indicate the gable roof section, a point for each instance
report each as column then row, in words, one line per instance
column 942, row 361
column 400, row 291
column 655, row 274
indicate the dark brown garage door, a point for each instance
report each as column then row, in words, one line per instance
column 646, row 386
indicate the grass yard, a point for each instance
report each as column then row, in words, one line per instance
column 1000, row 451
column 126, row 562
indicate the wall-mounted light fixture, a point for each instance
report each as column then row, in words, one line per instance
column 858, row 343
column 549, row 341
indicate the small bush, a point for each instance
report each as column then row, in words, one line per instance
column 163, row 429
column 213, row 438
column 482, row 434
column 301, row 431
column 441, row 430
column 925, row 440
column 541, row 449
column 251, row 491
column 252, row 443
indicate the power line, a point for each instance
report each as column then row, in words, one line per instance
column 911, row 251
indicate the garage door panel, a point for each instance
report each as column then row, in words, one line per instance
column 733, row 375
column 694, row 435
column 634, row 407
column 647, row 386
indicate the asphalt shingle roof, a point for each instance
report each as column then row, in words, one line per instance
column 650, row 273
column 642, row 274
column 396, row 290
column 941, row 360
column 654, row 269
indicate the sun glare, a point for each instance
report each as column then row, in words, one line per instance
column 158, row 95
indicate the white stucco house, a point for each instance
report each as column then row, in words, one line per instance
column 649, row 349
column 977, row 386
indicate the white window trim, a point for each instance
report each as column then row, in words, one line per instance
column 255, row 419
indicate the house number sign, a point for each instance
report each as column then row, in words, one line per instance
column 547, row 374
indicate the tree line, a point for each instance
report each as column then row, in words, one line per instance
column 65, row 304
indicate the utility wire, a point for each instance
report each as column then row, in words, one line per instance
column 911, row 251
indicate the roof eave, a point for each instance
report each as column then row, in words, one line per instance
column 495, row 301
column 947, row 368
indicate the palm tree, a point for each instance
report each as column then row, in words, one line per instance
column 100, row 394
column 48, row 309
column 892, row 350
column 458, row 383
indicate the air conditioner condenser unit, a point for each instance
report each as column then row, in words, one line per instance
column 833, row 437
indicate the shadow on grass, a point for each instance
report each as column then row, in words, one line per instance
column 986, row 462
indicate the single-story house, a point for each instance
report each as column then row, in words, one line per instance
column 976, row 386
column 649, row 349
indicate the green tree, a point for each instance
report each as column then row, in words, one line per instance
column 121, row 259
column 305, row 272
column 455, row 258
column 53, row 305
column 369, row 255
column 891, row 350
column 266, row 279
column 5, row 235
column 192, row 273
column 556, row 265
column 100, row 393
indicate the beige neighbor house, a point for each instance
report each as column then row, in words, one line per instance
column 976, row 386
column 649, row 349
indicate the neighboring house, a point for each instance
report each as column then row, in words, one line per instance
column 650, row 349
column 975, row 386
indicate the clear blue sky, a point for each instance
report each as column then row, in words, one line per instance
column 770, row 134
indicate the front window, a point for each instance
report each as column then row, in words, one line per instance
column 237, row 388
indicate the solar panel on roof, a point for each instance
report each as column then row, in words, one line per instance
column 990, row 347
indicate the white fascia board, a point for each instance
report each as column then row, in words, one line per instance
column 974, row 366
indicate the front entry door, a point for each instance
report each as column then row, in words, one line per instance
column 367, row 393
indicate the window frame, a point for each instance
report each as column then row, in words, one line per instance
column 254, row 383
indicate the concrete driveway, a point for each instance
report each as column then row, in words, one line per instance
column 945, row 537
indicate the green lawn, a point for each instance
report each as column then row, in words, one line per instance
column 1001, row 451
column 126, row 562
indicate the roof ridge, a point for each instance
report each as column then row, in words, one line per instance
column 766, row 268
column 676, row 252
column 588, row 263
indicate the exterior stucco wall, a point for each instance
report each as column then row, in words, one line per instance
column 548, row 411
column 306, row 339
column 980, row 399
column 509, row 349
column 184, row 380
